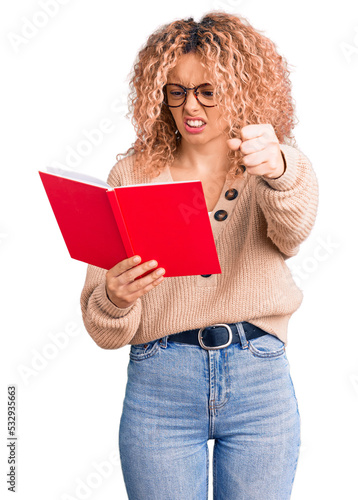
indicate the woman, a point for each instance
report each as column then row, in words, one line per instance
column 211, row 101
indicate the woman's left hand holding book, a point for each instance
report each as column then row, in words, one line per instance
column 123, row 288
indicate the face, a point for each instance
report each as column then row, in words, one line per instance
column 197, row 124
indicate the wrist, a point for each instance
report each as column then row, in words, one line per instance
column 115, row 301
column 284, row 169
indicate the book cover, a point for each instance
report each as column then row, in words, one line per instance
column 101, row 225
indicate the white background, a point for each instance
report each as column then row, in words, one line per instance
column 60, row 81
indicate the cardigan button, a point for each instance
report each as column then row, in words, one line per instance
column 231, row 194
column 205, row 275
column 220, row 215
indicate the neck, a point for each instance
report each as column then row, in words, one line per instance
column 203, row 158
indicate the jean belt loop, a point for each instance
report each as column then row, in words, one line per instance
column 242, row 335
column 163, row 341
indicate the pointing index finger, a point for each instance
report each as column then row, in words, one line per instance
column 234, row 144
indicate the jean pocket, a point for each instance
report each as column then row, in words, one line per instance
column 267, row 346
column 139, row 352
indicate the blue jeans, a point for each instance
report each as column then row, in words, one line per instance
column 178, row 396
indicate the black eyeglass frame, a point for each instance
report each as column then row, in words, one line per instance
column 186, row 94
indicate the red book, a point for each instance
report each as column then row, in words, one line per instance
column 102, row 226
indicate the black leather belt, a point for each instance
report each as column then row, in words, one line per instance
column 217, row 336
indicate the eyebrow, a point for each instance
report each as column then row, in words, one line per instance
column 189, row 86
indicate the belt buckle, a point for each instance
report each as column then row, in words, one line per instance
column 219, row 346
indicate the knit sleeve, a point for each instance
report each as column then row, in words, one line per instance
column 290, row 202
column 109, row 326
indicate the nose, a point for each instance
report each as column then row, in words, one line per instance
column 191, row 103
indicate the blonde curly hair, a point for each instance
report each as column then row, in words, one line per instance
column 252, row 81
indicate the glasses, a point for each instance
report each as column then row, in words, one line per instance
column 175, row 95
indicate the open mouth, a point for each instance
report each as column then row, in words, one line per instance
column 194, row 125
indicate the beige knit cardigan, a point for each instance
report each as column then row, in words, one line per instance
column 266, row 223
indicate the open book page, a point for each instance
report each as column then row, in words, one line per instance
column 88, row 179
column 77, row 176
